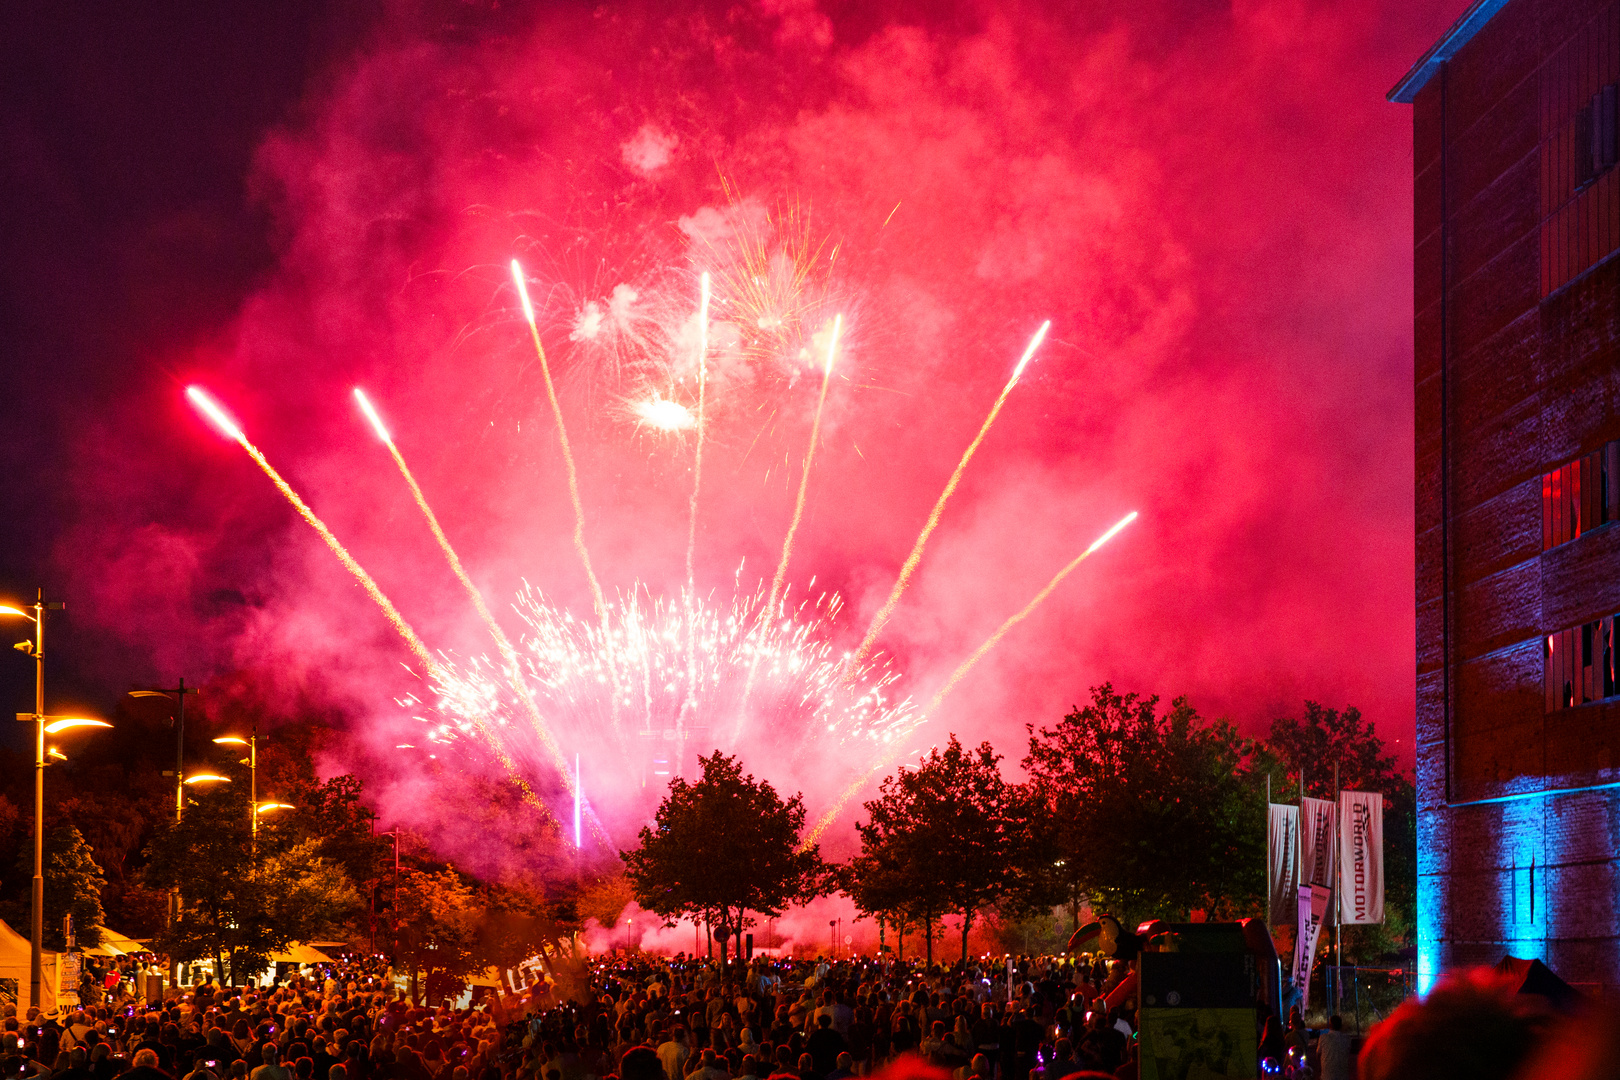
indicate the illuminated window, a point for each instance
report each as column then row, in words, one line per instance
column 1580, row 665
column 1578, row 497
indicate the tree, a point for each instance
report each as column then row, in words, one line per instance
column 311, row 897
column 943, row 837
column 438, row 931
column 723, row 849
column 229, row 910
column 73, row 884
column 1143, row 812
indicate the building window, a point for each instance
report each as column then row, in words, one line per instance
column 1579, row 665
column 1579, row 144
column 1578, row 497
column 1595, row 142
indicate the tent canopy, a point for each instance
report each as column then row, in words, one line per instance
column 299, row 953
column 115, row 944
column 1534, row 977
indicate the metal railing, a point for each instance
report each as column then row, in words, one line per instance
column 1368, row 993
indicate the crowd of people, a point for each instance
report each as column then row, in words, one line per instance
column 646, row 1018
column 628, row 1019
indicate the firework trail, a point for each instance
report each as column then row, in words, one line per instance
column 435, row 671
column 959, row 674
column 804, row 480
column 697, row 454
column 768, row 612
column 912, row 560
column 502, row 643
column 697, row 484
column 573, row 479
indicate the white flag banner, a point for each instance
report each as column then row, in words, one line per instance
column 1318, row 845
column 1313, row 905
column 1282, row 861
column 1361, row 857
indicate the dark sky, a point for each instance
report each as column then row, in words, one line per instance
column 1212, row 203
column 125, row 228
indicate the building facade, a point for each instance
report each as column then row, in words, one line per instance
column 1517, row 368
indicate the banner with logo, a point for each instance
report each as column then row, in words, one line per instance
column 1318, row 844
column 1361, row 857
column 1313, row 906
column 1282, row 861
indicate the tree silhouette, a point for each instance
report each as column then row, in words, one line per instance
column 73, row 884
column 1146, row 813
column 942, row 837
column 724, row 849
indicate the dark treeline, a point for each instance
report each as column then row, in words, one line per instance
column 1126, row 807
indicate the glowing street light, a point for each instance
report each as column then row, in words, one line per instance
column 42, row 724
column 67, row 723
column 265, row 808
column 206, row 778
column 252, row 762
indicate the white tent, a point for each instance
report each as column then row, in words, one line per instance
column 16, row 954
column 115, row 944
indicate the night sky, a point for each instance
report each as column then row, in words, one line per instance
column 281, row 201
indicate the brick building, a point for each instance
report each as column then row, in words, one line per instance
column 1517, row 224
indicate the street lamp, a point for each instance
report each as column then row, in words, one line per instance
column 180, row 691
column 43, row 725
column 252, row 762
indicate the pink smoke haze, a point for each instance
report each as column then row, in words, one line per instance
column 1212, row 203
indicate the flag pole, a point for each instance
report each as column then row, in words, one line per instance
column 1338, row 902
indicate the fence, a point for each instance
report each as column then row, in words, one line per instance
column 1368, row 993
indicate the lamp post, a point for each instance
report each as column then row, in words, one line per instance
column 252, row 762
column 43, row 725
column 180, row 691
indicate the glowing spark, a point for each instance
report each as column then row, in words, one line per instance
column 522, row 291
column 909, row 567
column 371, row 414
column 211, row 410
column 502, row 643
column 418, row 648
column 578, row 788
column 573, row 474
column 961, row 672
column 802, row 695
column 1034, row 343
column 663, row 414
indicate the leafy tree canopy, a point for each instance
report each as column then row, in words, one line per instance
column 723, row 848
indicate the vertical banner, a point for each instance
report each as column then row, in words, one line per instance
column 1361, row 857
column 1318, row 846
column 1313, row 905
column 1282, row 861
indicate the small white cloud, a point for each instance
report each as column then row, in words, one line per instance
column 648, row 150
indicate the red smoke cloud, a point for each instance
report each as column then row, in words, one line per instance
column 1211, row 203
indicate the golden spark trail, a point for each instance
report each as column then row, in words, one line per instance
column 212, row 410
column 910, row 566
column 960, row 673
column 691, row 525
column 573, row 490
column 768, row 612
column 502, row 642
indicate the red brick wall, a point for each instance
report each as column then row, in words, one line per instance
column 1517, row 371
